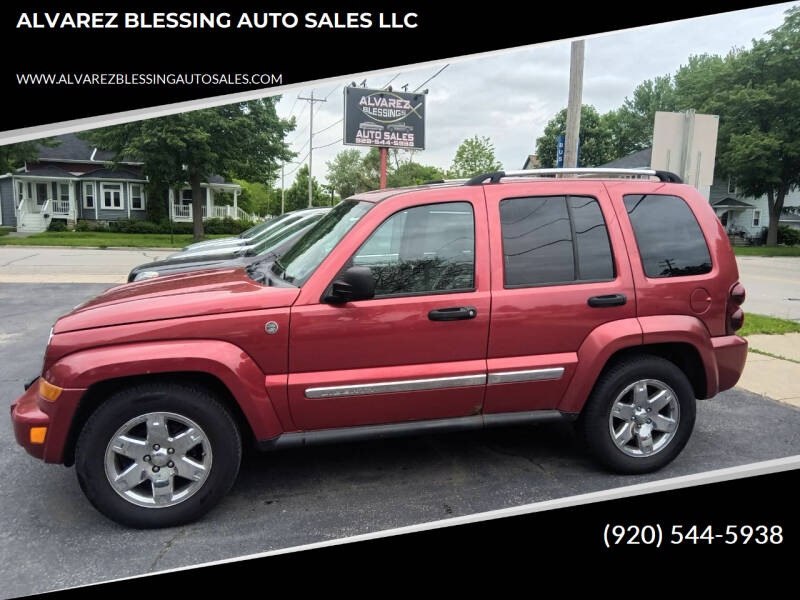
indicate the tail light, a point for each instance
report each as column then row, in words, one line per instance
column 734, row 313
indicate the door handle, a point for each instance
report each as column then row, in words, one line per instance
column 455, row 313
column 607, row 300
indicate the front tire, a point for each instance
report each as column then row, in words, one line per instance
column 639, row 416
column 158, row 454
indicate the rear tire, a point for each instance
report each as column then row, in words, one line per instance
column 158, row 454
column 639, row 416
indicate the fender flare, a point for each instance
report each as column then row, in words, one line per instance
column 607, row 339
column 225, row 361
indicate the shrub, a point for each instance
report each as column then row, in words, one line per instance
column 85, row 225
column 788, row 235
column 57, row 225
column 211, row 227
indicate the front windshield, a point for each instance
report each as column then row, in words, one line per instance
column 297, row 265
column 284, row 232
column 255, row 230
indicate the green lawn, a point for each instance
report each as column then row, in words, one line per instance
column 764, row 324
column 766, row 251
column 5, row 230
column 102, row 240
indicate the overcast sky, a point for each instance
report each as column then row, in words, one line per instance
column 510, row 96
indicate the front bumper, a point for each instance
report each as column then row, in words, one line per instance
column 730, row 352
column 31, row 411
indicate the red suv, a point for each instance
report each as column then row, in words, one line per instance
column 506, row 299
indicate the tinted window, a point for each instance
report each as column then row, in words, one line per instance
column 554, row 239
column 670, row 241
column 591, row 239
column 423, row 249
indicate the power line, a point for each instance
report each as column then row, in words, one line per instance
column 299, row 164
column 331, row 144
column 392, row 79
column 336, row 87
column 329, row 126
column 292, row 110
column 432, row 76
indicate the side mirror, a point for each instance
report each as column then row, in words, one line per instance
column 356, row 283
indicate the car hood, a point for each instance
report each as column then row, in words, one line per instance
column 185, row 295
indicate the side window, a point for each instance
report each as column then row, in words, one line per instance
column 422, row 249
column 670, row 240
column 554, row 239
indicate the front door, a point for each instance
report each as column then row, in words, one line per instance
column 42, row 193
column 408, row 354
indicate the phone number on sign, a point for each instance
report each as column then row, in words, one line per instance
column 654, row 535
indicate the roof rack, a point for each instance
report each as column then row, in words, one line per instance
column 435, row 181
column 496, row 176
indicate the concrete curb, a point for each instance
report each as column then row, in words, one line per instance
column 175, row 249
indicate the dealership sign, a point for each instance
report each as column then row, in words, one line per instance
column 384, row 118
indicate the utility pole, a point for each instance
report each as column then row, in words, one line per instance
column 283, row 191
column 574, row 104
column 311, row 101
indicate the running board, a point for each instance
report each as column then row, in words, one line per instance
column 368, row 432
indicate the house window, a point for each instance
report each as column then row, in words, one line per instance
column 731, row 186
column 111, row 196
column 63, row 192
column 186, row 196
column 756, row 218
column 88, row 195
column 137, row 196
column 20, row 192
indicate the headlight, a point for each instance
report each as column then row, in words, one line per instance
column 44, row 354
column 146, row 275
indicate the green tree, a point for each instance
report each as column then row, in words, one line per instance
column 244, row 140
column 595, row 136
column 346, row 173
column 297, row 194
column 756, row 94
column 258, row 198
column 631, row 125
column 410, row 173
column 474, row 156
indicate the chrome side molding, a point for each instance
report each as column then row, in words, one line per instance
column 389, row 387
column 526, row 375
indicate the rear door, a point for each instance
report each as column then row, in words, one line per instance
column 400, row 356
column 559, row 270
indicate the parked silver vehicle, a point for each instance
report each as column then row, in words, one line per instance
column 268, row 247
column 251, row 237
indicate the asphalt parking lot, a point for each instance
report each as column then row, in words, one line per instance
column 51, row 537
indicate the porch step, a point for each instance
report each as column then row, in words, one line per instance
column 32, row 223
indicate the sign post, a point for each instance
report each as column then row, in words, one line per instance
column 384, row 119
column 384, row 152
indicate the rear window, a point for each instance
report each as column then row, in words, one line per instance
column 670, row 240
column 554, row 239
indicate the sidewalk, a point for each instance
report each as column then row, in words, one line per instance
column 777, row 376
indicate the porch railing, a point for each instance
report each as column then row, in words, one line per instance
column 217, row 212
column 61, row 207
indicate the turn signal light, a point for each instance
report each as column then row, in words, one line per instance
column 38, row 434
column 48, row 391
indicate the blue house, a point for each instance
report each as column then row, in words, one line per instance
column 74, row 181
